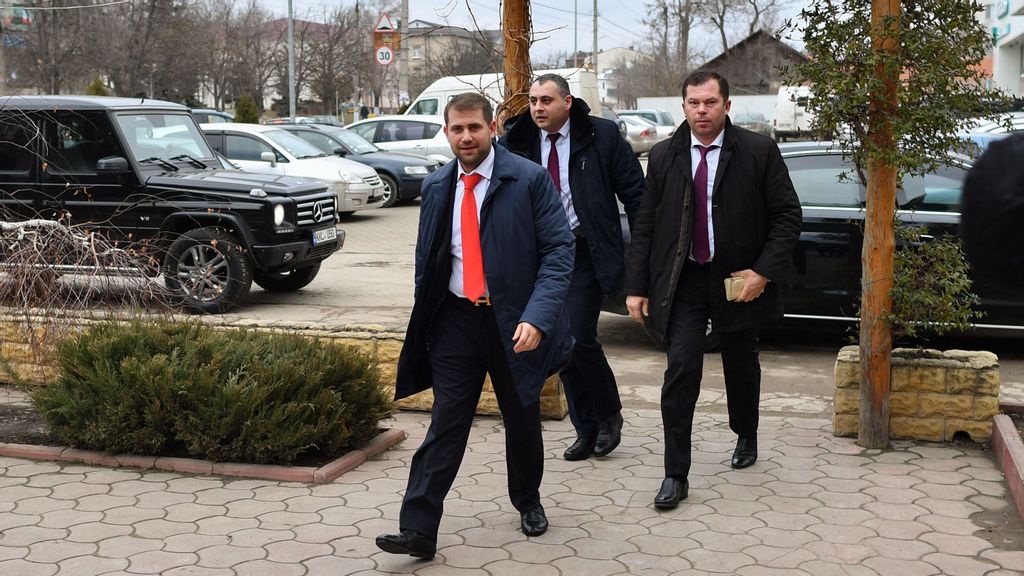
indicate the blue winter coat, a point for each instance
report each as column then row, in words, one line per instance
column 528, row 255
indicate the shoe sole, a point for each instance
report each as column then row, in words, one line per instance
column 535, row 533
column 607, row 451
column 395, row 548
column 735, row 467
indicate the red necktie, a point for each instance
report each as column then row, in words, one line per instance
column 472, row 258
column 701, row 241
column 553, row 163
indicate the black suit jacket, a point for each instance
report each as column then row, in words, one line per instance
column 756, row 216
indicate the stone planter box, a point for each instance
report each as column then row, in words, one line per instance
column 933, row 394
column 31, row 361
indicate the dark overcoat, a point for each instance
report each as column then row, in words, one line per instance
column 756, row 216
column 602, row 167
column 528, row 254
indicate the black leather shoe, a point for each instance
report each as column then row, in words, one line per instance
column 745, row 454
column 608, row 435
column 582, row 448
column 672, row 491
column 534, row 522
column 407, row 542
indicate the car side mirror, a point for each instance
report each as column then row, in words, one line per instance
column 269, row 157
column 112, row 165
column 340, row 151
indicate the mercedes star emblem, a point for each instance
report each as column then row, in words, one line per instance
column 318, row 212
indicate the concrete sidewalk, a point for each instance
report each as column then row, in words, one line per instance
column 813, row 504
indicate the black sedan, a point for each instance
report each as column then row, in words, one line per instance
column 402, row 173
column 824, row 282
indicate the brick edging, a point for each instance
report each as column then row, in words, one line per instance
column 1009, row 452
column 309, row 474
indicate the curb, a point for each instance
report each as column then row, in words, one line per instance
column 1009, row 452
column 309, row 474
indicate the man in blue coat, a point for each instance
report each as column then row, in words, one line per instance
column 494, row 259
column 590, row 164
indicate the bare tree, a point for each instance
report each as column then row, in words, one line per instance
column 49, row 54
column 332, row 57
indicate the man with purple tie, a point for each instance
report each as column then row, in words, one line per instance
column 718, row 203
column 590, row 165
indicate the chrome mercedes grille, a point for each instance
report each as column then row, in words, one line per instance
column 316, row 211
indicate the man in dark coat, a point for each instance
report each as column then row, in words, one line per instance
column 493, row 263
column 992, row 225
column 590, row 163
column 718, row 203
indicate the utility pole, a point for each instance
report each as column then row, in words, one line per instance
column 515, row 26
column 879, row 235
column 291, row 62
column 594, row 61
column 575, row 32
column 403, row 59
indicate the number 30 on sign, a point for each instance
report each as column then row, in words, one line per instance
column 384, row 55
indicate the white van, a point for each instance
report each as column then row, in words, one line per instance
column 582, row 84
column 792, row 116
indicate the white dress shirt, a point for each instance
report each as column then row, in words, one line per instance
column 479, row 192
column 712, row 159
column 562, row 146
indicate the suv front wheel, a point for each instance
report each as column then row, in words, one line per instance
column 287, row 280
column 208, row 269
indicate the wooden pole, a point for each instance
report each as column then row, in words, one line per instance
column 879, row 232
column 515, row 26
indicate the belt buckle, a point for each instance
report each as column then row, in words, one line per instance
column 482, row 301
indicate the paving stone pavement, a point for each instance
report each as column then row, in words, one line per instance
column 812, row 505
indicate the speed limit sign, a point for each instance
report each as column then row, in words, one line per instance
column 384, row 55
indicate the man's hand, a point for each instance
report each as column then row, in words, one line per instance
column 527, row 337
column 637, row 307
column 753, row 285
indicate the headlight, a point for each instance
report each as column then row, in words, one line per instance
column 416, row 170
column 351, row 179
column 278, row 214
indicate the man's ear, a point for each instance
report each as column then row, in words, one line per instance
column 568, row 102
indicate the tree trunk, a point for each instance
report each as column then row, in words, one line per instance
column 879, row 244
column 515, row 24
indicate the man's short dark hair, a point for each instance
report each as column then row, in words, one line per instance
column 701, row 76
column 560, row 82
column 468, row 101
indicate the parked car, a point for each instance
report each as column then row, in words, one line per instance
column 401, row 173
column 271, row 150
column 753, row 121
column 416, row 134
column 140, row 172
column 663, row 120
column 641, row 134
column 288, row 120
column 211, row 116
column 824, row 282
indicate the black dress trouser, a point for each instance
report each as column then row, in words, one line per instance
column 691, row 309
column 464, row 346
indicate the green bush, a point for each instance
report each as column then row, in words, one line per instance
column 224, row 395
column 246, row 110
column 97, row 87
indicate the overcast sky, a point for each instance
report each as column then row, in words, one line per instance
column 619, row 21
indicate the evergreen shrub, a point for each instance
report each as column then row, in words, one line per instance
column 162, row 388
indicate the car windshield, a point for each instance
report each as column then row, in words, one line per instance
column 163, row 136
column 293, row 144
column 357, row 143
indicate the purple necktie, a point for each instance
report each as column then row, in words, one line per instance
column 701, row 242
column 553, row 163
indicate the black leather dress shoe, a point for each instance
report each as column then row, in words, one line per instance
column 534, row 522
column 407, row 542
column 672, row 491
column 745, row 454
column 608, row 435
column 582, row 448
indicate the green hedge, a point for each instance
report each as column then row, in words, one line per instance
column 223, row 395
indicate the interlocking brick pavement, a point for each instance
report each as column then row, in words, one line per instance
column 813, row 505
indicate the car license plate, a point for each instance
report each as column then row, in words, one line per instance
column 325, row 235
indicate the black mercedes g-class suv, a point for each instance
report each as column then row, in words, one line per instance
column 140, row 172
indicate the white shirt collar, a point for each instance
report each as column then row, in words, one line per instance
column 564, row 131
column 484, row 169
column 718, row 139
